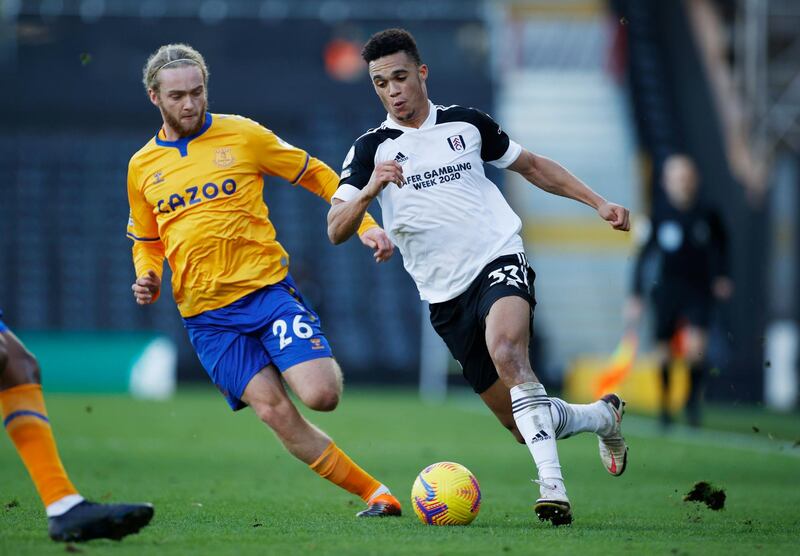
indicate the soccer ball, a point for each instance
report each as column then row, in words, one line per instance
column 446, row 493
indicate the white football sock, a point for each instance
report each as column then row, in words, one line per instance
column 531, row 408
column 63, row 505
column 570, row 418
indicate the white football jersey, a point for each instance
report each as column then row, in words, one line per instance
column 449, row 220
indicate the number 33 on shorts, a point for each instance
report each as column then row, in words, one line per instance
column 512, row 275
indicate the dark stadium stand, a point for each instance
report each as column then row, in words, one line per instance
column 675, row 113
column 65, row 145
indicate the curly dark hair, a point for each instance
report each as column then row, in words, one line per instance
column 389, row 41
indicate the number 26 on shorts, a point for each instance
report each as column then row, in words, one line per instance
column 299, row 328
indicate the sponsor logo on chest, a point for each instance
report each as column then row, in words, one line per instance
column 444, row 174
column 195, row 194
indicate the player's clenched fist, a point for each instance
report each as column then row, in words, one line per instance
column 616, row 215
column 384, row 174
column 146, row 288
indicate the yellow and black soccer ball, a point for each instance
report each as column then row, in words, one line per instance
column 446, row 493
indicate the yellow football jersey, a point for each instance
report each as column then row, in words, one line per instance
column 198, row 202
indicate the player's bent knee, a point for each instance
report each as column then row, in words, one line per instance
column 508, row 355
column 317, row 383
column 503, row 350
column 21, row 367
column 322, row 399
column 34, row 372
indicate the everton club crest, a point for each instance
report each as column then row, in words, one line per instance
column 223, row 157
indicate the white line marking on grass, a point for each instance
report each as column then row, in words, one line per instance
column 635, row 425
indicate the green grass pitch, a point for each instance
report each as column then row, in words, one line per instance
column 222, row 484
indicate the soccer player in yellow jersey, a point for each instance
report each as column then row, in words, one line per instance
column 70, row 517
column 195, row 193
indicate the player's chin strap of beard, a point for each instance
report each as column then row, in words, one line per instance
column 175, row 62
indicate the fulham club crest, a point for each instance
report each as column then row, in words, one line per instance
column 456, row 143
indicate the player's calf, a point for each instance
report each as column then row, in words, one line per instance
column 3, row 355
column 512, row 428
column 20, row 366
column 604, row 418
column 570, row 419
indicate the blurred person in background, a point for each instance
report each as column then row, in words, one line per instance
column 196, row 198
column 685, row 258
column 460, row 242
column 70, row 517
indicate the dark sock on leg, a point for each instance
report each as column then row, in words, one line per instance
column 666, row 418
column 697, row 375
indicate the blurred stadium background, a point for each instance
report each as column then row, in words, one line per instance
column 607, row 88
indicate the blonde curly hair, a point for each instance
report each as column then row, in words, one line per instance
column 173, row 56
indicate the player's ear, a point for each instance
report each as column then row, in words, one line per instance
column 423, row 72
column 153, row 96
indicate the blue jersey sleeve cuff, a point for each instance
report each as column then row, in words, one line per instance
column 303, row 171
column 137, row 238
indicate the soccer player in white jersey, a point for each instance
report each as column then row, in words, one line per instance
column 460, row 242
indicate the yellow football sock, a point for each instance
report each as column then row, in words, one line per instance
column 25, row 420
column 339, row 469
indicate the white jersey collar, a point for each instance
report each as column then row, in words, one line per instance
column 430, row 121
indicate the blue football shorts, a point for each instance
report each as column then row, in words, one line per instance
column 273, row 325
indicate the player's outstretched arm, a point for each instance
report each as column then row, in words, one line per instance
column 550, row 176
column 322, row 181
column 344, row 217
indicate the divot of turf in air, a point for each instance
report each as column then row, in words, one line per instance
column 708, row 494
